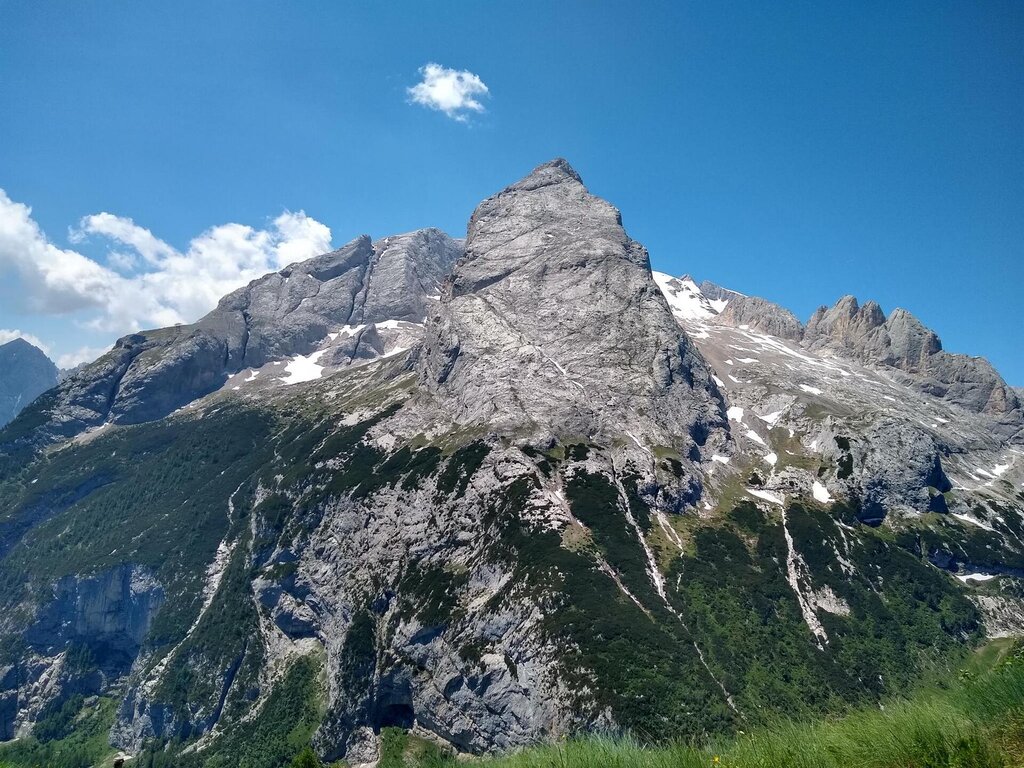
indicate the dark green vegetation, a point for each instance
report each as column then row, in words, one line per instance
column 975, row 722
column 718, row 646
column 155, row 495
column 277, row 735
column 903, row 616
column 71, row 736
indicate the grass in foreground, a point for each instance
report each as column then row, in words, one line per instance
column 976, row 722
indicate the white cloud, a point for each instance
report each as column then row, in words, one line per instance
column 450, row 91
column 55, row 280
column 7, row 335
column 79, row 356
column 156, row 285
column 301, row 238
column 123, row 230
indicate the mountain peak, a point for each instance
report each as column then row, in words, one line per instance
column 25, row 373
column 557, row 171
column 18, row 343
column 553, row 319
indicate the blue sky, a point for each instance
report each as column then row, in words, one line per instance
column 797, row 151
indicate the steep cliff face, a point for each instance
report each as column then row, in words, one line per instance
column 567, row 494
column 25, row 373
column 83, row 639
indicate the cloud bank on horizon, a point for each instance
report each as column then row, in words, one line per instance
column 451, row 91
column 142, row 281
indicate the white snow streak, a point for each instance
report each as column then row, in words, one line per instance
column 976, row 577
column 767, row 496
column 973, row 521
column 751, row 434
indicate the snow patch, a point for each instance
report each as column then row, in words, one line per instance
column 771, row 458
column 304, row 368
column 821, row 493
column 972, row 521
column 735, row 413
column 684, row 297
column 975, row 577
column 809, row 388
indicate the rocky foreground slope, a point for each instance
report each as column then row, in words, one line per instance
column 495, row 492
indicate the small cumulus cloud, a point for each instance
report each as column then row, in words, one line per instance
column 451, row 91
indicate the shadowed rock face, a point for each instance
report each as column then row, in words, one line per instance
column 715, row 292
column 761, row 315
column 552, row 322
column 902, row 342
column 25, row 373
column 147, row 375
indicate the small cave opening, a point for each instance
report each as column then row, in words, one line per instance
column 393, row 706
column 395, row 716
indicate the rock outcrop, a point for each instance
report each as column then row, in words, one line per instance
column 900, row 341
column 715, row 292
column 25, row 373
column 761, row 315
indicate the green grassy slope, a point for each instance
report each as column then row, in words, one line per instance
column 976, row 721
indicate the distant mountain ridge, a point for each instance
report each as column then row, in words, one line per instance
column 25, row 373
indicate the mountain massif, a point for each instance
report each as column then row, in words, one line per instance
column 25, row 373
column 493, row 492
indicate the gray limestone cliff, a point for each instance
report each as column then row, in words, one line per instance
column 551, row 322
column 716, row 292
